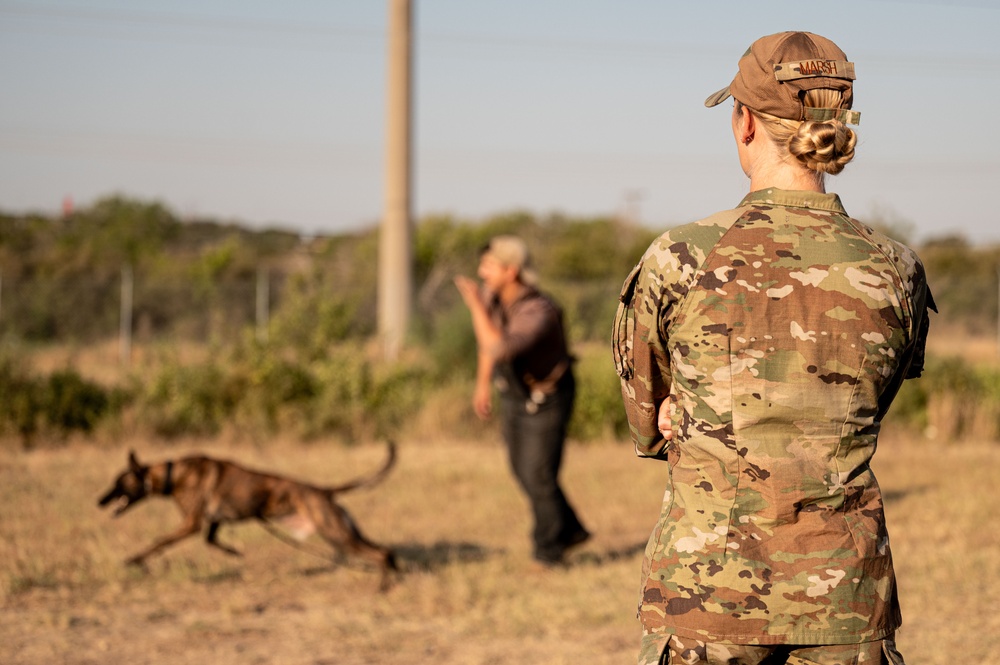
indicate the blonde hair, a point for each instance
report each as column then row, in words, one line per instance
column 822, row 146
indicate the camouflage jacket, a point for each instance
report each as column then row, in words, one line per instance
column 782, row 330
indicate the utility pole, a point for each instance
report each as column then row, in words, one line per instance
column 395, row 256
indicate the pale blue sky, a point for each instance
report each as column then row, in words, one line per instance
column 272, row 113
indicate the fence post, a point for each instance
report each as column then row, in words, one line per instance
column 125, row 322
column 263, row 303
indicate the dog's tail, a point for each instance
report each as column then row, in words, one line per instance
column 374, row 478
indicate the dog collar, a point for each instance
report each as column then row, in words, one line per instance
column 168, row 480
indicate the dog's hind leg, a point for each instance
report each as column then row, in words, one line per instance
column 337, row 527
column 211, row 537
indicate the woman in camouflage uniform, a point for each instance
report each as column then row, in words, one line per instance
column 759, row 349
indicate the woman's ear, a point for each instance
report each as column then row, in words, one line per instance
column 748, row 128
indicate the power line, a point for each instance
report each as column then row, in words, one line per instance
column 266, row 32
column 180, row 29
column 196, row 147
column 264, row 27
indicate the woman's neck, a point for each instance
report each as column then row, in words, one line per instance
column 785, row 176
column 768, row 166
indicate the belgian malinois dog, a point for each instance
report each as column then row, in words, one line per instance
column 213, row 491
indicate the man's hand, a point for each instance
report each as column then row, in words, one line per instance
column 664, row 418
column 469, row 289
column 482, row 401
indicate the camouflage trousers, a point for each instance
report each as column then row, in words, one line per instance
column 662, row 649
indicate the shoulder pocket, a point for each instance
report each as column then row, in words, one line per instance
column 625, row 326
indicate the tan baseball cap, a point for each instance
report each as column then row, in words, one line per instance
column 777, row 69
column 512, row 251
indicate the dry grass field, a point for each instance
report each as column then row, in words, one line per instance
column 468, row 595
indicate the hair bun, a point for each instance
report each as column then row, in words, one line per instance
column 825, row 146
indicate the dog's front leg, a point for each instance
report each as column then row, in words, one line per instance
column 211, row 539
column 190, row 527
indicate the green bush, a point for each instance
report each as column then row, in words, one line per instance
column 54, row 406
column 273, row 392
column 394, row 397
column 315, row 315
column 359, row 399
column 598, row 413
column 70, row 403
column 451, row 344
column 20, row 401
column 909, row 409
column 952, row 400
column 189, row 399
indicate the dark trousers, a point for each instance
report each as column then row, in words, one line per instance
column 535, row 445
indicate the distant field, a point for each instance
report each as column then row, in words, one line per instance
column 469, row 594
column 945, row 340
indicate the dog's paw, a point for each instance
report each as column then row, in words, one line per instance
column 136, row 561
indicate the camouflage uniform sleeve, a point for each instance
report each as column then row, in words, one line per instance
column 648, row 298
column 641, row 358
column 922, row 304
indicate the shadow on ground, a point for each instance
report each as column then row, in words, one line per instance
column 891, row 496
column 593, row 558
column 429, row 557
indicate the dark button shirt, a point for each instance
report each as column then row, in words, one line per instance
column 533, row 342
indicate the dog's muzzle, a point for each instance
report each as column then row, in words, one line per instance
column 120, row 502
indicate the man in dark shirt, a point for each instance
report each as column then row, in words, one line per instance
column 522, row 350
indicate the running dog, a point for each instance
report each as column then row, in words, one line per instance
column 213, row 491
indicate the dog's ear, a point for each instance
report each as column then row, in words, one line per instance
column 133, row 461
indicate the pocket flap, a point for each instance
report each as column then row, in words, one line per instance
column 625, row 326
